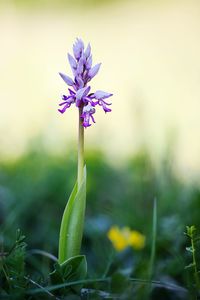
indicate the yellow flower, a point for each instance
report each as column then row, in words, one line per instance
column 136, row 240
column 123, row 238
column 117, row 239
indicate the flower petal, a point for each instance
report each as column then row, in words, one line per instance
column 94, row 70
column 87, row 114
column 72, row 93
column 78, row 48
column 88, row 63
column 102, row 95
column 88, row 51
column 79, row 81
column 62, row 110
column 82, row 92
column 67, row 79
column 106, row 109
column 80, row 66
column 103, row 104
column 72, row 61
column 64, row 97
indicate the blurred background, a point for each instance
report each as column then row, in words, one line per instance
column 150, row 60
column 147, row 147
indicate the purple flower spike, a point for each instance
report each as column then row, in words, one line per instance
column 81, row 65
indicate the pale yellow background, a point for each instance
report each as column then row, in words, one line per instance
column 150, row 54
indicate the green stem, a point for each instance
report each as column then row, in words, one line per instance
column 80, row 149
column 147, row 290
column 72, row 223
column 194, row 260
column 153, row 244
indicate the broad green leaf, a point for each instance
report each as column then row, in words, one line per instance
column 75, row 268
column 71, row 230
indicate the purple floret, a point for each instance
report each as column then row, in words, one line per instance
column 83, row 72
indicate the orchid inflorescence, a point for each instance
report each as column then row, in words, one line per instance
column 79, row 93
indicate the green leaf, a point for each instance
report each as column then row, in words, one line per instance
column 12, row 268
column 75, row 268
column 71, row 230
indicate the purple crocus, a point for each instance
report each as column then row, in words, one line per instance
column 79, row 91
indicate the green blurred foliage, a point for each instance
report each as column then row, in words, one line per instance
column 34, row 190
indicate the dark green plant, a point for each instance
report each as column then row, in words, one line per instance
column 191, row 233
column 12, row 269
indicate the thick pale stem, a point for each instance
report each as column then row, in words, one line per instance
column 80, row 149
